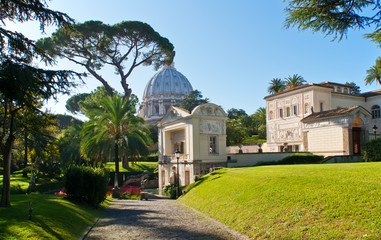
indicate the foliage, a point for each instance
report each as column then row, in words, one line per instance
column 170, row 191
column 129, row 196
column 355, row 90
column 374, row 73
column 135, row 167
column 86, row 184
column 240, row 126
column 276, row 85
column 372, row 151
column 20, row 184
column 72, row 103
column 21, row 85
column 235, row 132
column 65, row 121
column 334, row 17
column 53, row 217
column 14, row 45
column 69, row 144
column 325, row 201
column 294, row 81
column 115, row 131
column 262, row 132
column 296, row 158
column 125, row 46
column 234, row 113
column 193, row 100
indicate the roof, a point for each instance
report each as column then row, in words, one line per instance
column 372, row 93
column 297, row 88
column 168, row 81
column 332, row 113
column 333, row 83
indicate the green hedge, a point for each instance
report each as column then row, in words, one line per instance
column 297, row 158
column 372, row 151
column 86, row 184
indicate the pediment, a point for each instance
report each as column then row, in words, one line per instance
column 174, row 113
column 209, row 109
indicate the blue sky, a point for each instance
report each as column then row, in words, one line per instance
column 229, row 50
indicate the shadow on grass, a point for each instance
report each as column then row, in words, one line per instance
column 211, row 176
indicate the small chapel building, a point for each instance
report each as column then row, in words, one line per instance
column 323, row 119
column 199, row 138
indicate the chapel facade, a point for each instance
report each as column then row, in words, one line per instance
column 323, row 119
column 198, row 137
column 165, row 89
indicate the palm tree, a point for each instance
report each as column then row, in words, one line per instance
column 276, row 85
column 374, row 73
column 293, row 81
column 114, row 131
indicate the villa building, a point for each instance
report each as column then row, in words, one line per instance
column 322, row 118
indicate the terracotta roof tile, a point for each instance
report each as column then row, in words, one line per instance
column 330, row 113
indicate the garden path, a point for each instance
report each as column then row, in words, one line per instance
column 157, row 218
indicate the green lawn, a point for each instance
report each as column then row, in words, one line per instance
column 137, row 167
column 19, row 184
column 53, row 218
column 328, row 201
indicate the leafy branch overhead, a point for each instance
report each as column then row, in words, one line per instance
column 124, row 46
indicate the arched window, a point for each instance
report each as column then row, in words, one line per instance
column 376, row 112
column 271, row 115
column 306, row 107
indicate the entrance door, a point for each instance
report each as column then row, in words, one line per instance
column 356, row 136
column 187, row 177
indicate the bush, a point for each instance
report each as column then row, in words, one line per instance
column 297, row 158
column 129, row 196
column 86, row 184
column 170, row 191
column 372, row 151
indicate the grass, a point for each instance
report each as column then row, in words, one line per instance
column 328, row 201
column 53, row 217
column 134, row 167
column 20, row 184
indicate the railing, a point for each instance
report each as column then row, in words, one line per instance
column 172, row 158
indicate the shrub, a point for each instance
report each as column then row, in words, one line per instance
column 297, row 158
column 301, row 158
column 170, row 191
column 129, row 196
column 372, row 151
column 86, row 184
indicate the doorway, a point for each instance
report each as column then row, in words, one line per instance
column 356, row 136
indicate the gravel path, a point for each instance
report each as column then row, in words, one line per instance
column 157, row 218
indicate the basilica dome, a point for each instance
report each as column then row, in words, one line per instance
column 168, row 81
column 166, row 88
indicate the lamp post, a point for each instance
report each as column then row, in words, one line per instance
column 375, row 130
column 177, row 155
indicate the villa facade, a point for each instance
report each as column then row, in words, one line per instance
column 322, row 118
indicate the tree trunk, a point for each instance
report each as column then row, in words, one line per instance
column 24, row 172
column 7, row 149
column 116, row 165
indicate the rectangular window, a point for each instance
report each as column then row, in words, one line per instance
column 321, row 107
column 288, row 111
column 295, row 110
column 212, row 144
column 281, row 113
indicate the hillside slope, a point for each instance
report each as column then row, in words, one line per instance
column 329, row 201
